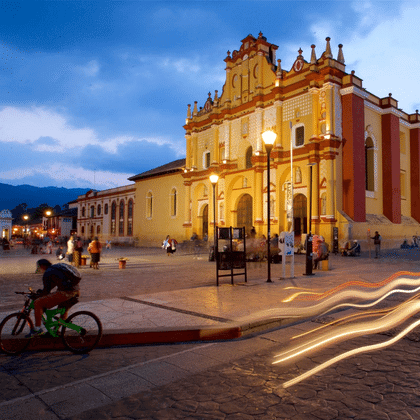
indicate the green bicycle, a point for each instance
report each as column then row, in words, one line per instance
column 80, row 332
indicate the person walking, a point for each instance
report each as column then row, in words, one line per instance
column 377, row 242
column 49, row 247
column 95, row 249
column 77, row 253
column 170, row 245
column 70, row 249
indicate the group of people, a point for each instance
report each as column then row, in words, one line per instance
column 75, row 250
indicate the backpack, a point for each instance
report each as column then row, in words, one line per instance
column 71, row 273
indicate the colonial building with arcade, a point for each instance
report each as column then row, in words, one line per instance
column 363, row 152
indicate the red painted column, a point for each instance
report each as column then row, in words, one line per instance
column 415, row 173
column 391, row 167
column 354, row 173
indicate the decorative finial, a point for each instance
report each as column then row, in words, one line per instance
column 340, row 57
column 390, row 95
column 195, row 110
column 313, row 55
column 279, row 73
column 328, row 53
column 215, row 95
column 300, row 52
column 260, row 35
column 228, row 53
column 189, row 111
column 353, row 72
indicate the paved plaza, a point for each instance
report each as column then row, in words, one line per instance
column 211, row 376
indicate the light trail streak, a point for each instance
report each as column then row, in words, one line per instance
column 390, row 320
column 344, row 320
column 342, row 298
column 369, row 305
column 349, row 354
column 348, row 318
column 355, row 283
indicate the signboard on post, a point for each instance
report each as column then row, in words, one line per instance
column 287, row 249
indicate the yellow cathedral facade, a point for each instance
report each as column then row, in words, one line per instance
column 362, row 150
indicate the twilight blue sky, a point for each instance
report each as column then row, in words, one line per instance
column 92, row 92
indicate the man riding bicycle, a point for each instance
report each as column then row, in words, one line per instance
column 62, row 276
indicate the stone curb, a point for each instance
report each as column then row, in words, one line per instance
column 115, row 338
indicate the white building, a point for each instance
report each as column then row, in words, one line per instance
column 6, row 224
column 107, row 214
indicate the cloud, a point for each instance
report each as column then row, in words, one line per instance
column 47, row 130
column 385, row 57
column 91, row 69
column 64, row 175
column 44, row 146
column 29, row 125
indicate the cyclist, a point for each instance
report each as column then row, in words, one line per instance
column 62, row 276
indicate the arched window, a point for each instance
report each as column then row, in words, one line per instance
column 130, row 218
column 83, row 212
column 370, row 165
column 206, row 160
column 92, row 211
column 83, row 230
column 98, row 230
column 173, row 202
column 121, row 224
column 99, row 209
column 92, row 229
column 248, row 158
column 149, row 205
column 106, row 209
column 323, row 204
column 113, row 217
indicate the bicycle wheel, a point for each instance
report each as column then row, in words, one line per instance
column 13, row 330
column 88, row 338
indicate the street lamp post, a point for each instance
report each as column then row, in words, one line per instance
column 26, row 218
column 309, row 248
column 48, row 214
column 213, row 179
column 269, row 138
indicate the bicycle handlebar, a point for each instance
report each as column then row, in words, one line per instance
column 29, row 294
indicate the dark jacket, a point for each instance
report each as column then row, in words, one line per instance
column 55, row 277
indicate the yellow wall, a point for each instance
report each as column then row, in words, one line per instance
column 152, row 231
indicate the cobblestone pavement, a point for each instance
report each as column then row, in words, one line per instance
column 225, row 380
column 233, row 380
column 374, row 386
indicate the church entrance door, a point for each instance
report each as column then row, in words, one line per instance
column 244, row 213
column 206, row 220
column 300, row 217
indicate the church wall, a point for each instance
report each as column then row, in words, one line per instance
column 405, row 170
column 373, row 129
column 151, row 229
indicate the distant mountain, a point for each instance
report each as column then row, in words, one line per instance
column 11, row 195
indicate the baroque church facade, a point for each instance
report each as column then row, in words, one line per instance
column 362, row 150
